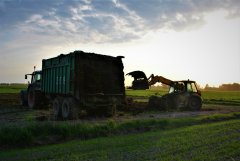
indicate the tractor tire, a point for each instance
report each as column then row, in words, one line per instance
column 57, row 108
column 69, row 109
column 195, row 103
column 33, row 98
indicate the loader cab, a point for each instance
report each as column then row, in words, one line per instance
column 184, row 86
column 183, row 95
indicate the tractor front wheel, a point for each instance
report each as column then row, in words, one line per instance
column 33, row 98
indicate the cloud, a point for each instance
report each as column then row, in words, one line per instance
column 106, row 20
column 179, row 14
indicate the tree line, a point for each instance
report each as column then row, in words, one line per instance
column 224, row 87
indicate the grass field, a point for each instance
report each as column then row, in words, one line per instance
column 203, row 137
column 37, row 133
column 221, row 97
column 207, row 137
column 209, row 97
column 12, row 88
column 214, row 141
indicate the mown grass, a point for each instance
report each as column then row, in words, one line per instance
column 214, row 141
column 12, row 88
column 37, row 133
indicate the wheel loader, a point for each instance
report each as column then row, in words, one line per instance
column 182, row 95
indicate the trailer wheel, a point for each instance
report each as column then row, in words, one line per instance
column 69, row 109
column 194, row 103
column 113, row 110
column 108, row 111
column 33, row 98
column 57, row 105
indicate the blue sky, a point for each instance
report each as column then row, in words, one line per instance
column 178, row 39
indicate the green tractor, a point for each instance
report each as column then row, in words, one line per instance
column 32, row 96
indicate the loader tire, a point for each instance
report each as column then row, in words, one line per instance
column 153, row 102
column 194, row 104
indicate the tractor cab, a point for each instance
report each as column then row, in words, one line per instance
column 36, row 76
column 35, row 79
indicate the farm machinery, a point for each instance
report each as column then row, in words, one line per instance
column 77, row 82
column 182, row 95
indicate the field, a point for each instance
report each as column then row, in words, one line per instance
column 214, row 141
column 209, row 97
column 210, row 134
column 12, row 88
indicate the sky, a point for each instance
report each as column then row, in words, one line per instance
column 177, row 39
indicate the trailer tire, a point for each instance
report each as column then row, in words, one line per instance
column 33, row 98
column 69, row 109
column 109, row 111
column 57, row 108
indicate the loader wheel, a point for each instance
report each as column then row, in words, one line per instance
column 153, row 102
column 33, row 98
column 57, row 108
column 69, row 109
column 195, row 103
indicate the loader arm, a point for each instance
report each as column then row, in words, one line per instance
column 155, row 79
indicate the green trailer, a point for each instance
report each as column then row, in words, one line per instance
column 80, row 81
